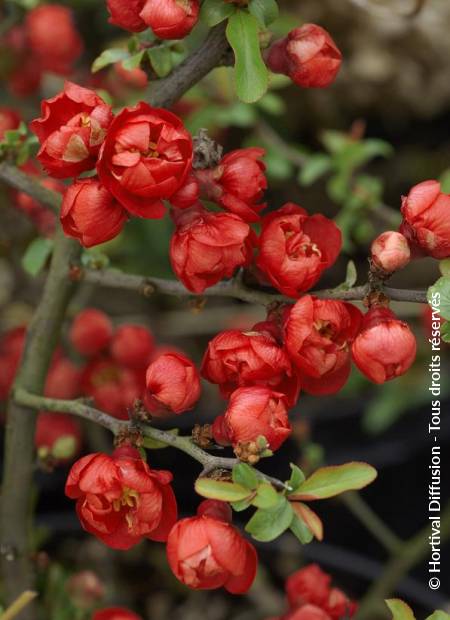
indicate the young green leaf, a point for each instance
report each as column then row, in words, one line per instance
column 268, row 524
column 251, row 75
column 441, row 290
column 245, row 475
column 215, row 11
column 265, row 11
column 109, row 57
column 300, row 530
column 297, row 477
column 36, row 255
column 266, row 496
column 315, row 167
column 312, row 520
column 330, row 481
column 161, row 60
column 445, row 331
column 223, row 491
column 439, row 615
column 400, row 610
column 133, row 62
column 242, row 504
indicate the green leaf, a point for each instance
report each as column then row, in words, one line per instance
column 444, row 180
column 444, row 266
column 266, row 525
column 266, row 496
column 64, row 447
column 400, row 610
column 161, row 60
column 109, row 57
column 36, row 255
column 315, row 167
column 272, row 104
column 224, row 491
column 215, row 11
column 439, row 297
column 351, row 275
column 439, row 615
column 299, row 528
column 245, row 475
column 297, row 477
column 311, row 519
column 265, row 11
column 251, row 75
column 330, row 481
column 155, row 444
column 445, row 331
column 133, row 62
column 242, row 504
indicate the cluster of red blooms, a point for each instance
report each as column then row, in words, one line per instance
column 34, row 51
column 311, row 597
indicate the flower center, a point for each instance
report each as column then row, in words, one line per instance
column 128, row 499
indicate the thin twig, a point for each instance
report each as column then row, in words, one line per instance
column 19, row 604
column 23, row 182
column 234, row 288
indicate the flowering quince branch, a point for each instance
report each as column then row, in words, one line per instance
column 234, row 288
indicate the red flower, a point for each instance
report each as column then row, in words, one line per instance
column 207, row 247
column 187, row 195
column 91, row 214
column 296, row 248
column 238, row 359
column 237, row 183
column 171, row 19
column 308, row 585
column 173, row 384
column 308, row 55
column 57, row 436
column 53, row 38
column 390, row 251
column 254, row 412
column 63, row 379
column 115, row 613
column 125, row 14
column 132, row 346
column 72, row 128
column 91, row 332
column 145, row 158
column 318, row 335
column 307, row 612
column 206, row 552
column 385, row 347
column 113, row 387
column 339, row 605
column 426, row 220
column 9, row 119
column 11, row 348
column 120, row 499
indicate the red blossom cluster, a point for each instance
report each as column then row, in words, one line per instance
column 310, row 596
column 34, row 50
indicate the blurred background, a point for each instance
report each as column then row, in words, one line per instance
column 350, row 152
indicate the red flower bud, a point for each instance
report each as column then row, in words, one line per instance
column 318, row 336
column 9, row 119
column 72, row 128
column 53, row 38
column 187, row 195
column 240, row 359
column 125, row 14
column 385, row 347
column 120, row 499
column 91, row 332
column 205, row 553
column 134, row 78
column 113, row 387
column 132, row 346
column 85, row 589
column 145, row 159
column 91, row 214
column 237, row 183
column 308, row 55
column 307, row 612
column 173, row 385
column 426, row 220
column 296, row 248
column 57, row 436
column 390, row 251
column 207, row 247
column 115, row 613
column 254, row 412
column 173, row 19
column 308, row 585
column 63, row 379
